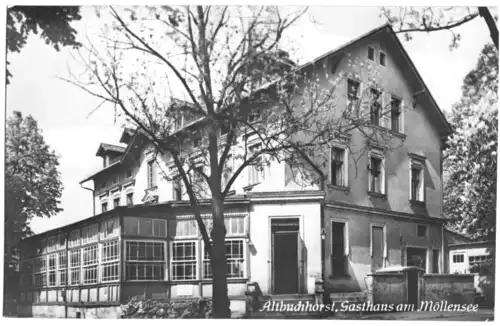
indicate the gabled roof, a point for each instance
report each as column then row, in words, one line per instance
column 103, row 148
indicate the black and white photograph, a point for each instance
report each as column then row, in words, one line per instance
column 250, row 161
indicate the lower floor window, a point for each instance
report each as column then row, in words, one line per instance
column 62, row 277
column 145, row 271
column 109, row 272
column 235, row 260
column 184, row 262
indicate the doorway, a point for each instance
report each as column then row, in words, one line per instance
column 285, row 255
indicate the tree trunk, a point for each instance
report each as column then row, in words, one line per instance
column 219, row 268
column 490, row 22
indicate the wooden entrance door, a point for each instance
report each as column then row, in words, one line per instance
column 285, row 256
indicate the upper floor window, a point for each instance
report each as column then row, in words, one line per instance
column 338, row 172
column 375, row 106
column 256, row 170
column 104, row 206
column 116, row 202
column 371, row 53
column 458, row 258
column 128, row 173
column 151, row 174
column 176, row 190
column 130, row 199
column 353, row 94
column 227, row 171
column 421, row 231
column 376, row 171
column 197, row 139
column 382, row 58
column 417, row 180
column 395, row 114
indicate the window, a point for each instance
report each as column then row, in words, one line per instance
column 417, row 257
column 110, row 261
column 151, row 174
column 61, row 268
column 235, row 259
column 395, row 114
column 338, row 167
column 197, row 139
column 89, row 263
column 128, row 173
column 481, row 264
column 382, row 59
column 353, row 90
column 104, row 206
column 256, row 170
column 371, row 53
column 74, row 238
column 184, row 262
column 144, row 226
column 435, row 261
column 417, row 184
column 183, row 229
column 74, row 265
column 177, row 190
column 52, row 275
column 338, row 249
column 116, row 202
column 376, row 175
column 40, row 271
column 421, row 231
column 224, row 128
column 458, row 258
column 145, row 260
column 254, row 114
column 375, row 106
column 159, row 228
column 130, row 199
column 110, row 228
column 90, row 234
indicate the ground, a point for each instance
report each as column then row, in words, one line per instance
column 481, row 315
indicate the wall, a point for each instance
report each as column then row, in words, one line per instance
column 400, row 233
column 260, row 237
column 452, row 288
column 389, row 288
column 420, row 135
column 58, row 311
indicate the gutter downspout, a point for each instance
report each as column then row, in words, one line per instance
column 67, row 277
column 93, row 198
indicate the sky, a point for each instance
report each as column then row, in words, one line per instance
column 62, row 110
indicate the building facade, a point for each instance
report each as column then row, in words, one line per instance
column 383, row 210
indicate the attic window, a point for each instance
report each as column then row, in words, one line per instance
column 371, row 53
column 382, row 59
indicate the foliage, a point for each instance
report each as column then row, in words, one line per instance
column 137, row 308
column 231, row 67
column 408, row 20
column 470, row 160
column 52, row 23
column 32, row 181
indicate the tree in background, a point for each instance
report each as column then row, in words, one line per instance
column 409, row 20
column 245, row 104
column 32, row 188
column 52, row 23
column 470, row 160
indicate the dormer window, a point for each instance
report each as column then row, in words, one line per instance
column 371, row 53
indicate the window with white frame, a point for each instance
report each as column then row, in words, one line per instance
column 396, row 116
column 74, row 266
column 256, row 169
column 235, row 259
column 130, row 199
column 52, row 270
column 110, row 261
column 90, row 234
column 375, row 106
column 145, row 260
column 144, row 226
column 104, row 206
column 61, row 268
column 376, row 172
column 353, row 95
column 184, row 260
column 159, row 228
column 89, row 264
column 41, row 271
column 338, row 166
column 151, row 169
column 458, row 258
column 416, row 180
column 176, row 189
column 116, row 202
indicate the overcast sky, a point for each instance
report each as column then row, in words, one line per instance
column 62, row 109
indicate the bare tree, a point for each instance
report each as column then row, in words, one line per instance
column 241, row 89
column 408, row 20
